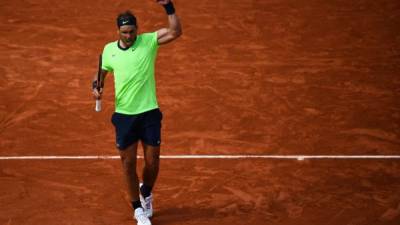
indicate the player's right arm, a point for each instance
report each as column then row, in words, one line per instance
column 97, row 88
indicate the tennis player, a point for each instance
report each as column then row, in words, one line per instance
column 137, row 117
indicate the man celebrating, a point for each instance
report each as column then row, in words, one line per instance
column 137, row 116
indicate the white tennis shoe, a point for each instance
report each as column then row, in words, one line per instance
column 147, row 204
column 141, row 217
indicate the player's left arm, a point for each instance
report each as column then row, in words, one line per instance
column 174, row 30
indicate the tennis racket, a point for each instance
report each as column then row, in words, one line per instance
column 98, row 101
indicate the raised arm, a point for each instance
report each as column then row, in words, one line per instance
column 174, row 30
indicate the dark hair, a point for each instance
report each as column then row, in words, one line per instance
column 126, row 18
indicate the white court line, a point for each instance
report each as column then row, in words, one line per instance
column 297, row 157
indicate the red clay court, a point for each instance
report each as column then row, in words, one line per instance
column 264, row 78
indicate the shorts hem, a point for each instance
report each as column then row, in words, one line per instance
column 136, row 113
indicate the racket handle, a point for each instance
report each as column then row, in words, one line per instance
column 98, row 105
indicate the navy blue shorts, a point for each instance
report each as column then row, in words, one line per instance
column 132, row 128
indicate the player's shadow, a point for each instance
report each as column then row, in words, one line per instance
column 173, row 215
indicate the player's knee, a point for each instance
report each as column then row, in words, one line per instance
column 152, row 163
column 153, row 158
column 129, row 164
